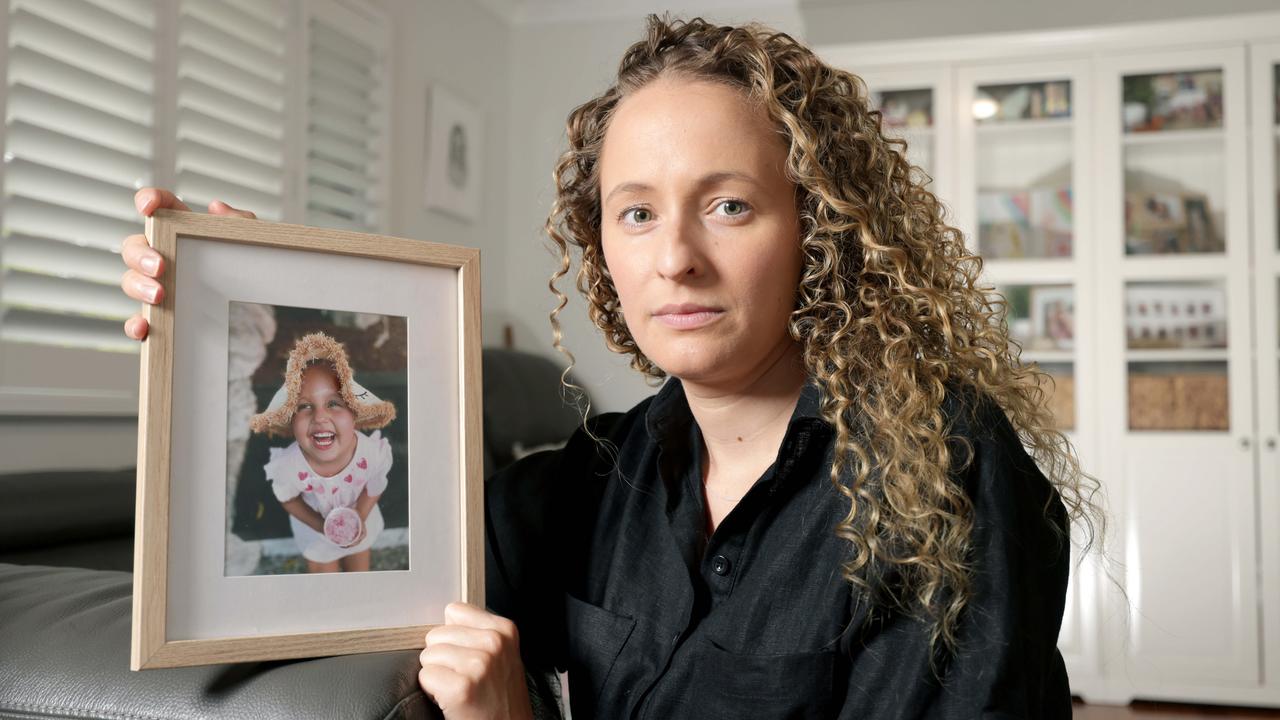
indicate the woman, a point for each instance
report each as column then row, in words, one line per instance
column 829, row 509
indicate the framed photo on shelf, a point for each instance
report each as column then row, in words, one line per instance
column 309, row 462
column 1053, row 316
column 1170, row 316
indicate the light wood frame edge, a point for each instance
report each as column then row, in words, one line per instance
column 149, row 647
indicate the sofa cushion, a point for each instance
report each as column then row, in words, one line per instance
column 65, row 634
column 44, row 508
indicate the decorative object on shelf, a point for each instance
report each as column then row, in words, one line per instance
column 1025, row 223
column 1168, row 316
column 1022, row 101
column 1053, row 317
column 1173, row 101
column 904, row 108
column 1178, row 401
column 410, row 311
column 1161, row 222
column 454, row 155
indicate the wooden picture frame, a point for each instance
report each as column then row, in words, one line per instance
column 179, row 588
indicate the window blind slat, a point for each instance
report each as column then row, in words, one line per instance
column 200, row 188
column 235, row 22
column 356, row 132
column 245, row 55
column 268, row 12
column 325, row 39
column 199, row 65
column 82, row 51
column 241, row 141
column 337, row 150
column 346, row 204
column 23, row 177
column 132, row 34
column 36, row 107
column 321, row 218
column 324, row 172
column 53, row 257
column 31, row 216
column 343, row 96
column 227, row 107
column 58, row 78
column 217, row 163
column 65, row 296
column 336, row 69
column 27, row 326
column 53, row 149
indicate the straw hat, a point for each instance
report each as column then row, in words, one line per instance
column 370, row 412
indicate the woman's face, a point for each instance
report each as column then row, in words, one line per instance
column 699, row 229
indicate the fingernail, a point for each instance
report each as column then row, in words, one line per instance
column 150, row 263
column 148, row 291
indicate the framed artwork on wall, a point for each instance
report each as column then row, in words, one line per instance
column 309, row 478
column 454, row 154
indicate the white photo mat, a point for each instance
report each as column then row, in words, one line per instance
column 209, row 275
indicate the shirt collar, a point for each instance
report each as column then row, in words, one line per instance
column 669, row 411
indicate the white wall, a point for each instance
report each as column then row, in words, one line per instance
column 555, row 68
column 832, row 22
column 464, row 48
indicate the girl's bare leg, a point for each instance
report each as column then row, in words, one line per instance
column 359, row 562
column 318, row 567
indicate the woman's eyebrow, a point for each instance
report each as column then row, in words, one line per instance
column 705, row 181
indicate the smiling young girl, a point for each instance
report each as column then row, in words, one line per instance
column 330, row 478
column 848, row 499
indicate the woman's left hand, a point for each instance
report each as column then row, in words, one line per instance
column 471, row 666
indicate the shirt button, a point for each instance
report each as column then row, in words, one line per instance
column 720, row 565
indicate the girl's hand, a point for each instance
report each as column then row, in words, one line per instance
column 145, row 265
column 471, row 667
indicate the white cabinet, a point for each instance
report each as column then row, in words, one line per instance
column 1121, row 185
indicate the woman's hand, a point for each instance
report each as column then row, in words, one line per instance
column 145, row 265
column 471, row 667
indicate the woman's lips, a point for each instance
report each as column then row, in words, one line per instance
column 687, row 317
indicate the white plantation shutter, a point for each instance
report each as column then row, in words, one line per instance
column 276, row 106
column 231, row 114
column 346, row 120
column 78, row 140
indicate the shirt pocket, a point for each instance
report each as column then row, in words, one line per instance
column 795, row 686
column 595, row 637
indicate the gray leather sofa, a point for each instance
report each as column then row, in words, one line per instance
column 66, row 550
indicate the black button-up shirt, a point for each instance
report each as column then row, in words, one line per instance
column 599, row 553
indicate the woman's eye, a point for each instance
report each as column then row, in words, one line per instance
column 733, row 208
column 636, row 216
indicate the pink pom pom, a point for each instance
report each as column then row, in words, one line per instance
column 342, row 526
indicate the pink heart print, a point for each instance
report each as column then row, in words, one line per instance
column 308, row 488
column 334, row 490
column 362, row 464
column 303, row 475
column 347, row 478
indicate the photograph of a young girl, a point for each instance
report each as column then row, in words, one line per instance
column 317, row 397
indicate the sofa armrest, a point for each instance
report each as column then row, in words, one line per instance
column 65, row 634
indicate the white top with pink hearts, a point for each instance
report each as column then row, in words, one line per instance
column 291, row 476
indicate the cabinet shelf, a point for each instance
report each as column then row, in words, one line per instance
column 1010, row 127
column 1159, row 137
column 1048, row 357
column 1177, row 355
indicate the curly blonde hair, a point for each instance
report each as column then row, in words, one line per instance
column 888, row 311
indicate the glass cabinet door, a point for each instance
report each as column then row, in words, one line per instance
column 1174, row 310
column 1022, row 155
column 912, row 106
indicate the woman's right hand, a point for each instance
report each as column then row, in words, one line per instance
column 145, row 265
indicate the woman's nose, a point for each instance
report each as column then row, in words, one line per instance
column 679, row 254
